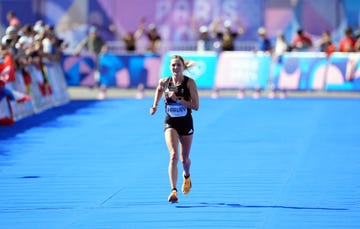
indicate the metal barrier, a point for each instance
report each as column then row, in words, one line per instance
column 118, row 47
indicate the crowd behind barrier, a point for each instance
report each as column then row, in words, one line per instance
column 33, row 92
column 31, row 76
column 224, row 70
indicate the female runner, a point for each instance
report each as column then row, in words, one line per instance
column 181, row 97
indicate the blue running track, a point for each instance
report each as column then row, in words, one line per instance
column 292, row 163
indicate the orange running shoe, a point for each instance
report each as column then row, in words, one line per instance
column 186, row 185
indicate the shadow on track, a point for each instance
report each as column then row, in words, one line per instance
column 206, row 205
column 7, row 132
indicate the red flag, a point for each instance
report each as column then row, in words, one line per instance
column 7, row 69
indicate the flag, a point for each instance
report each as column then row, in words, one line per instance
column 7, row 69
column 13, row 95
column 7, row 74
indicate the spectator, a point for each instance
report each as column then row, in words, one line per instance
column 264, row 44
column 26, row 40
column 10, row 43
column 152, row 35
column 93, row 42
column 154, row 39
column 12, row 19
column 326, row 44
column 205, row 41
column 129, row 38
column 95, row 45
column 39, row 26
column 10, row 39
column 281, row 46
column 302, row 41
column 24, row 46
column 225, row 34
column 347, row 44
column 52, row 46
column 130, row 41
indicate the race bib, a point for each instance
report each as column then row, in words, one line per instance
column 176, row 110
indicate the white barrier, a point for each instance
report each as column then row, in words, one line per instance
column 47, row 89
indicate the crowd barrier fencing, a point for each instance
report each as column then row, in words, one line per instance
column 118, row 47
column 46, row 86
column 224, row 70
